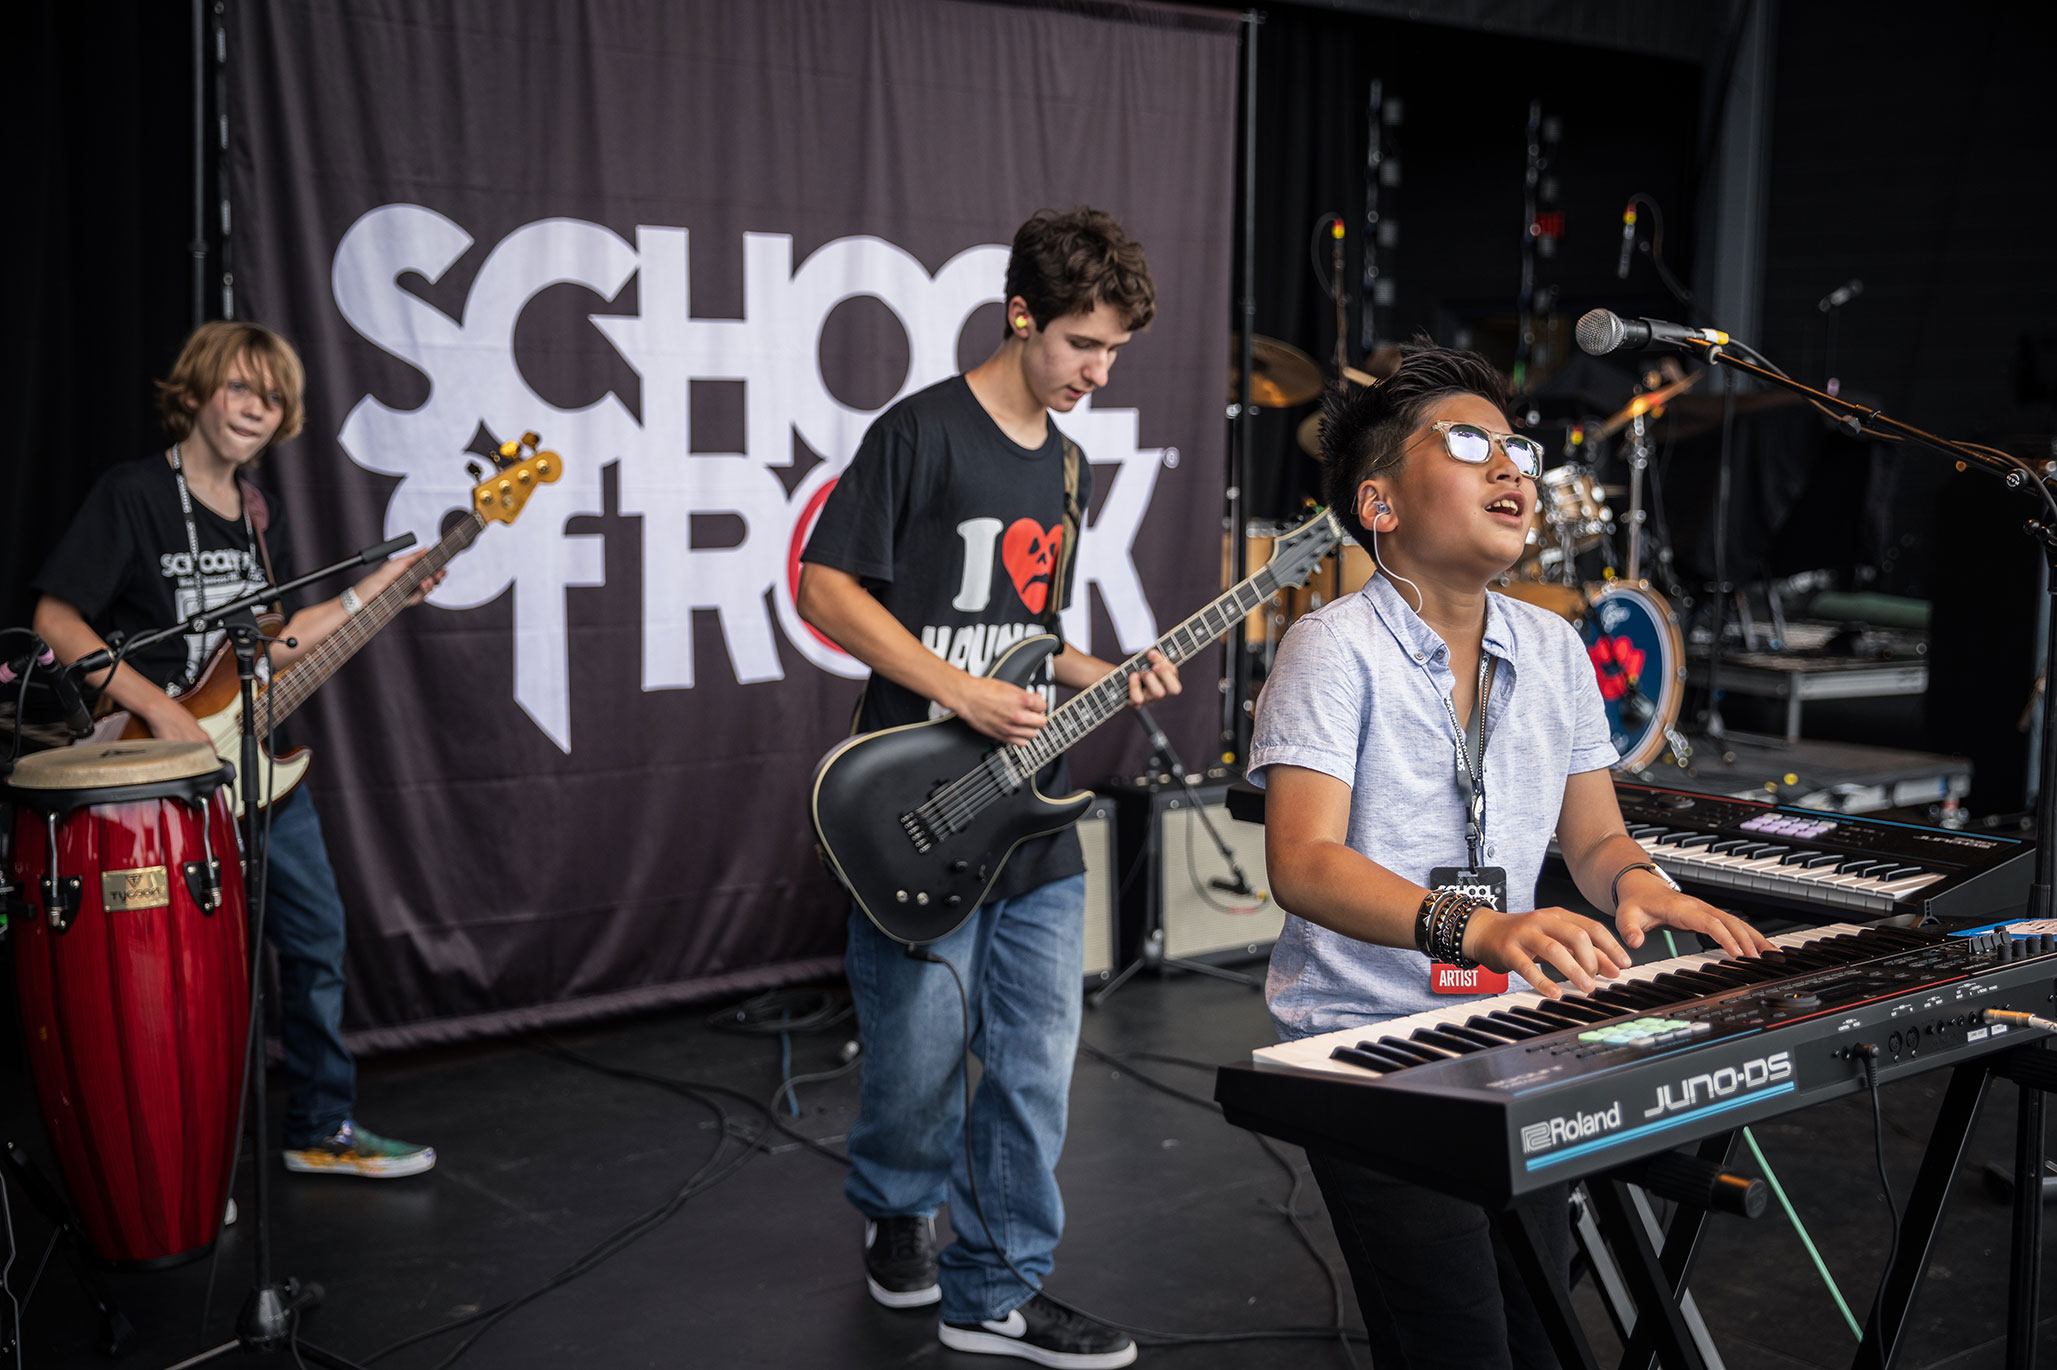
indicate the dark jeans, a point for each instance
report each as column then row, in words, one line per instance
column 1438, row 1288
column 303, row 921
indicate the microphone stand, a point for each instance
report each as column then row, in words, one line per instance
column 2015, row 474
column 266, row 1321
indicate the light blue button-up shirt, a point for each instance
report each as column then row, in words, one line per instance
column 1358, row 691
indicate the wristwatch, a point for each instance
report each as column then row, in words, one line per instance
column 1614, row 890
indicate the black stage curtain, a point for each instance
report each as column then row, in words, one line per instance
column 101, row 294
column 1456, row 209
column 696, row 247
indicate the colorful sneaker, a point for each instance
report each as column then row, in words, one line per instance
column 1047, row 1333
column 353, row 1150
column 900, row 1262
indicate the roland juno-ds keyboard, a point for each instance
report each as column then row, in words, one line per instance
column 1490, row 1099
column 1806, row 861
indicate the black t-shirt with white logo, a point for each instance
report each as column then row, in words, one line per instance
column 956, row 528
column 124, row 563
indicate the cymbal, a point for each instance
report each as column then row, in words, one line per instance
column 1309, row 434
column 1643, row 404
column 1281, row 375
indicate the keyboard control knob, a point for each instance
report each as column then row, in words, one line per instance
column 1798, row 998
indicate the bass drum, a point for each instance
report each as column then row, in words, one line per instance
column 1639, row 658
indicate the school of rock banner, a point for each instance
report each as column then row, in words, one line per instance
column 696, row 247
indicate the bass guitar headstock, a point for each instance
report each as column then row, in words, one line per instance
column 500, row 497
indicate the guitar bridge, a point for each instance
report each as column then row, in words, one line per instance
column 917, row 832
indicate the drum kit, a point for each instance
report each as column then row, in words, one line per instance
column 1576, row 540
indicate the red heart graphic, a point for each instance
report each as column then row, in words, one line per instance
column 1618, row 663
column 1029, row 552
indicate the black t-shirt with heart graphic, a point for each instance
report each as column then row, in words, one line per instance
column 956, row 528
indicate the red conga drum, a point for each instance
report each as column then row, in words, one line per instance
column 135, row 985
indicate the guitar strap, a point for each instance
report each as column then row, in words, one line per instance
column 260, row 519
column 1067, row 551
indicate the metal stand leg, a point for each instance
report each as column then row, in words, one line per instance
column 1939, row 1166
column 1517, row 1227
column 2026, row 1268
column 1660, row 1326
column 114, row 1329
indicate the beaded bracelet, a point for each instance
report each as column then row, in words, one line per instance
column 1447, row 929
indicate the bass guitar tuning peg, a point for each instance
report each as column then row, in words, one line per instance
column 475, row 471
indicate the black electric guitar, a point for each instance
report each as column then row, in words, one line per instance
column 918, row 820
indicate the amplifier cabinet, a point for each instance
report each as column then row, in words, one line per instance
column 1096, row 834
column 1173, row 860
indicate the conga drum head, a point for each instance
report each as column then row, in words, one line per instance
column 1639, row 659
column 64, row 778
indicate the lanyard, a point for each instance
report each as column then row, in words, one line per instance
column 1471, row 757
column 178, row 473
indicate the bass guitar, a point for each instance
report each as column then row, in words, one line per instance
column 216, row 699
column 917, row 821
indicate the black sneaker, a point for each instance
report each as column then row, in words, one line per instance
column 1047, row 1333
column 900, row 1262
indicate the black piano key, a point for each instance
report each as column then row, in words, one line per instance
column 1582, row 1009
column 1437, row 1037
column 1352, row 1056
column 1729, row 844
column 1392, row 1060
column 1406, row 1050
column 1719, row 972
column 1771, row 849
column 1500, row 1027
column 1472, row 1035
column 1542, row 1020
column 1707, row 984
column 1554, row 1015
column 1834, row 858
column 1755, row 969
column 1637, row 995
column 1705, row 839
column 1858, row 865
column 1639, row 831
column 1803, row 857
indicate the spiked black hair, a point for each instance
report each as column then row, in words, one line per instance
column 1365, row 432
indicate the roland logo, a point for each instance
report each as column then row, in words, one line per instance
column 1721, row 1084
column 1575, row 1128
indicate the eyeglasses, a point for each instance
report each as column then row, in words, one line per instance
column 1470, row 443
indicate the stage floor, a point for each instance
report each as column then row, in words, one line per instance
column 1175, row 1218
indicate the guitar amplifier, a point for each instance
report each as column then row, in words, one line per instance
column 1096, row 834
column 1172, row 890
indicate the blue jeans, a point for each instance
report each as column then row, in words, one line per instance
column 1023, row 965
column 303, row 921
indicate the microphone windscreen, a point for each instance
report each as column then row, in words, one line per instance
column 1600, row 332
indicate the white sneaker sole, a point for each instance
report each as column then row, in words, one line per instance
column 984, row 1343
column 385, row 1168
column 903, row 1298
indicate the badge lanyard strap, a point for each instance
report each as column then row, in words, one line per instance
column 1471, row 768
column 178, row 473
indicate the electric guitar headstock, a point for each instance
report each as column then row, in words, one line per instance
column 1295, row 556
column 500, row 497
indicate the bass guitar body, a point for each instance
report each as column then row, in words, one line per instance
column 216, row 703
column 917, row 821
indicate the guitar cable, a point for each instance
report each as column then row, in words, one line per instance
column 1144, row 1334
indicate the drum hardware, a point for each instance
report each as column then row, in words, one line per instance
column 61, row 894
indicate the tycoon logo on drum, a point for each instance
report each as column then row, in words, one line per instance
column 773, row 349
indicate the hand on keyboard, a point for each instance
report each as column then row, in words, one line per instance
column 1647, row 905
column 1577, row 949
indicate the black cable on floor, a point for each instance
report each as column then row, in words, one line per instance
column 1142, row 1334
column 1289, row 1210
column 709, row 1174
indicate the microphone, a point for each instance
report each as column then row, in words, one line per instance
column 1628, row 241
column 1841, row 295
column 78, row 720
column 1600, row 332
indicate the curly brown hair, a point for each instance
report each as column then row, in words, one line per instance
column 1068, row 262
